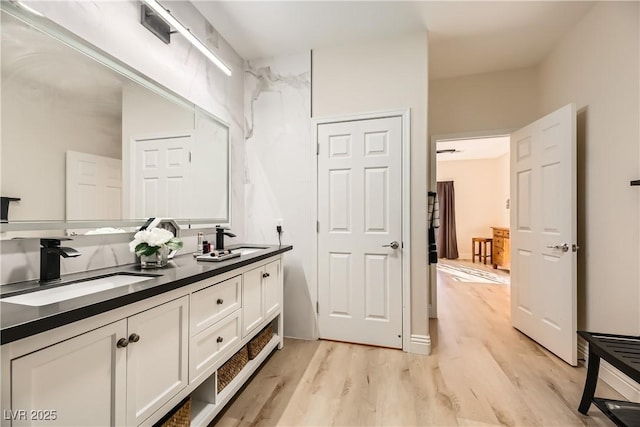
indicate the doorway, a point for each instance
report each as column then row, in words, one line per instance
column 363, row 229
column 478, row 168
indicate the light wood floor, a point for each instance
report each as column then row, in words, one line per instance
column 482, row 373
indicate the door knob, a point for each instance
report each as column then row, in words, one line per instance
column 122, row 343
column 134, row 338
column 564, row 247
column 392, row 245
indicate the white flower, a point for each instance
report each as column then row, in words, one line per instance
column 155, row 237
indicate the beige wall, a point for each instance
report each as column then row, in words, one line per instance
column 34, row 144
column 479, row 186
column 596, row 66
column 377, row 76
column 481, row 102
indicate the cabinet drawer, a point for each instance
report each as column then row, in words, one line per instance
column 498, row 242
column 498, row 257
column 498, row 233
column 214, row 303
column 212, row 344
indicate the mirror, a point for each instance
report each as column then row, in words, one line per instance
column 86, row 146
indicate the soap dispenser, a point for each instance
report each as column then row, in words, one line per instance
column 220, row 233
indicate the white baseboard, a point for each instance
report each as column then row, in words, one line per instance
column 610, row 375
column 420, row 344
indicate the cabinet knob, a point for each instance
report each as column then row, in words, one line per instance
column 220, row 339
column 134, row 338
column 122, row 343
column 265, row 275
column 220, row 301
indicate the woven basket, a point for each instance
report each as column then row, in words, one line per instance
column 258, row 342
column 181, row 417
column 232, row 367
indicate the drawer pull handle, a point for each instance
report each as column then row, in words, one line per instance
column 220, row 301
column 265, row 275
column 122, row 343
column 220, row 339
column 134, row 338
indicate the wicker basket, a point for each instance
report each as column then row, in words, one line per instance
column 181, row 417
column 232, row 367
column 258, row 342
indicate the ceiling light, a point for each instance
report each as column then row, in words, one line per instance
column 150, row 21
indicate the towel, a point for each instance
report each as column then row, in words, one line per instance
column 433, row 220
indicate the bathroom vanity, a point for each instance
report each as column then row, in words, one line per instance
column 129, row 355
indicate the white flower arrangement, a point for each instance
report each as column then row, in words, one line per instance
column 149, row 242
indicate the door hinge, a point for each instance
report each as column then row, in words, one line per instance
column 317, row 226
column 317, row 307
column 189, row 156
column 317, row 149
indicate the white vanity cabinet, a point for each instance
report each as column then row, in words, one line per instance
column 70, row 383
column 261, row 295
column 132, row 365
column 118, row 374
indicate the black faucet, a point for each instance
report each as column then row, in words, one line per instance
column 50, row 254
column 220, row 233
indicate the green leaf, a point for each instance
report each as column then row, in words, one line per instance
column 145, row 249
column 174, row 244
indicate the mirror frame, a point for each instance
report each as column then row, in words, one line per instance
column 62, row 35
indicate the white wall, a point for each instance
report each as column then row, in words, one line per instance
column 479, row 198
column 278, row 182
column 115, row 28
column 483, row 102
column 34, row 144
column 376, row 76
column 596, row 66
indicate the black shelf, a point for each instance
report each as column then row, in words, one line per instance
column 624, row 414
column 636, row 182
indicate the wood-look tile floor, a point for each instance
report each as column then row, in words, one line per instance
column 482, row 372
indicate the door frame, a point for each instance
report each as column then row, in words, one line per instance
column 405, row 115
column 433, row 162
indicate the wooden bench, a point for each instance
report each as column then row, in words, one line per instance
column 622, row 352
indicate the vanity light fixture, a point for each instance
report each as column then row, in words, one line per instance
column 27, row 8
column 152, row 10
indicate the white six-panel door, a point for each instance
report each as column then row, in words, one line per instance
column 161, row 177
column 544, row 231
column 360, row 214
column 93, row 187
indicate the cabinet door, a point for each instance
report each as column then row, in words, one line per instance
column 82, row 379
column 157, row 362
column 272, row 288
column 252, row 300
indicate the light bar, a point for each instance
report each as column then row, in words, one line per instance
column 172, row 21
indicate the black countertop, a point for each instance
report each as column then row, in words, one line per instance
column 19, row 321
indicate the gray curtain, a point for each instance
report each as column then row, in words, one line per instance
column 447, row 240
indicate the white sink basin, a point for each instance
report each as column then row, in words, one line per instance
column 246, row 251
column 74, row 290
